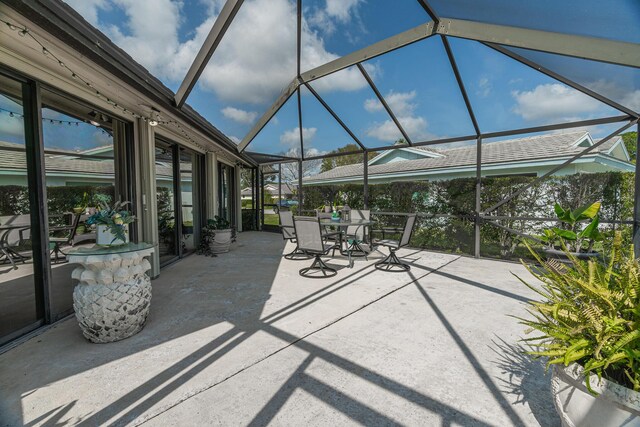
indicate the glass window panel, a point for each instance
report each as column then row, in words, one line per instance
column 166, row 202
column 270, row 196
column 357, row 107
column 618, row 83
column 335, row 28
column 614, row 19
column 281, row 135
column 190, row 201
column 419, row 85
column 506, row 94
column 18, row 308
column 80, row 176
column 323, row 133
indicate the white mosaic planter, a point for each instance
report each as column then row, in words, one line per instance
column 614, row 406
column 113, row 297
column 221, row 241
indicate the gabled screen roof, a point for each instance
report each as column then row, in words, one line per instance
column 301, row 79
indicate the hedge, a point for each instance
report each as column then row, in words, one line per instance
column 457, row 198
column 14, row 199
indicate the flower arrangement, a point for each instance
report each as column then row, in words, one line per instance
column 114, row 218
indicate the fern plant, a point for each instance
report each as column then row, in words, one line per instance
column 589, row 314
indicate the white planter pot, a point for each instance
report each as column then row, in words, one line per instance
column 221, row 241
column 104, row 236
column 615, row 405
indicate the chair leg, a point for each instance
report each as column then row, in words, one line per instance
column 392, row 263
column 318, row 265
column 297, row 255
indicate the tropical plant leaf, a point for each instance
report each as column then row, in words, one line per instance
column 587, row 212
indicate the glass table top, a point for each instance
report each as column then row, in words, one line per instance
column 343, row 222
column 109, row 250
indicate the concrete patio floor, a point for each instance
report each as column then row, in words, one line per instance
column 242, row 339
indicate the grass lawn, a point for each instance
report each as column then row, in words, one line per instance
column 271, row 219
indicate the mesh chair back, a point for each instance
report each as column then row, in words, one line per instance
column 358, row 230
column 308, row 234
column 408, row 230
column 286, row 221
column 15, row 236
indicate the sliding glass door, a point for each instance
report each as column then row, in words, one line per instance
column 178, row 200
column 226, row 191
column 21, row 305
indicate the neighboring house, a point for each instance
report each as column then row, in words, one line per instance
column 531, row 156
column 66, row 167
column 287, row 191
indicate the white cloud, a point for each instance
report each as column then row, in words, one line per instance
column 255, row 60
column 399, row 102
column 341, row 9
column 292, row 137
column 324, row 19
column 11, row 126
column 553, row 101
column 484, row 87
column 632, row 100
column 402, row 105
column 235, row 139
column 416, row 127
column 88, row 8
column 239, row 115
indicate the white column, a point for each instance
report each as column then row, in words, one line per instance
column 148, row 214
column 238, row 199
column 211, row 185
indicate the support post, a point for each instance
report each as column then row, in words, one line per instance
column 299, row 186
column 237, row 198
column 147, row 173
column 36, row 181
column 365, row 180
column 636, row 201
column 478, row 197
column 212, row 184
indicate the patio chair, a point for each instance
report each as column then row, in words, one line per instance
column 391, row 262
column 55, row 243
column 13, row 237
column 312, row 241
column 356, row 234
column 289, row 233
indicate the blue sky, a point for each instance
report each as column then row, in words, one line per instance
column 257, row 59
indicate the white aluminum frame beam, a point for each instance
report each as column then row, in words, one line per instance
column 219, row 28
column 592, row 48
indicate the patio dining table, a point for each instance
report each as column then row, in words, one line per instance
column 342, row 225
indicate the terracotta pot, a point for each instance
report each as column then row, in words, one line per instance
column 221, row 241
column 615, row 405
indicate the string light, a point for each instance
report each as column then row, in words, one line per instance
column 44, row 119
column 24, row 31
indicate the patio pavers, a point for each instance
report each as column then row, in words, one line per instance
column 242, row 338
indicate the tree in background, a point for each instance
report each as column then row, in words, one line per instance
column 630, row 140
column 348, row 159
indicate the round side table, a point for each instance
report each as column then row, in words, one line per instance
column 112, row 298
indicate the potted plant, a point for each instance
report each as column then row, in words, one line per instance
column 80, row 208
column 588, row 324
column 569, row 237
column 112, row 223
column 222, row 234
